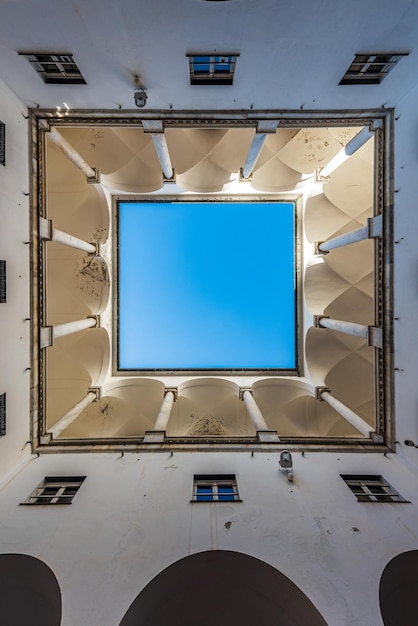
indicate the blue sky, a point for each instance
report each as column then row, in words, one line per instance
column 206, row 285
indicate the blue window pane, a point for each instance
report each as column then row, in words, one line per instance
column 225, row 492
column 201, row 65
column 223, row 64
column 204, row 493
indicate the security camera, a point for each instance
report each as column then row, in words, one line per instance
column 140, row 97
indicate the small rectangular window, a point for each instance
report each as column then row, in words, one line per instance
column 55, row 68
column 371, row 488
column 2, row 143
column 370, row 68
column 206, row 69
column 215, row 488
column 3, row 293
column 2, row 414
column 56, row 490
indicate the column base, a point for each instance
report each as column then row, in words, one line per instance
column 154, row 436
column 267, row 436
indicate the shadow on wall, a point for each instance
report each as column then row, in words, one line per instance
column 223, row 588
column 398, row 590
column 30, row 594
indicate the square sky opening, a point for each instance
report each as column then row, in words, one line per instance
column 206, row 285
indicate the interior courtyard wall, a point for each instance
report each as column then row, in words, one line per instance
column 406, row 277
column 132, row 518
column 15, row 313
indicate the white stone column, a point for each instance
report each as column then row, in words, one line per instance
column 323, row 393
column 48, row 232
column 161, row 148
column 72, row 414
column 372, row 230
column 91, row 174
column 164, row 412
column 264, row 433
column 352, row 146
column 373, row 334
column 157, row 435
column 50, row 333
column 156, row 129
column 264, row 128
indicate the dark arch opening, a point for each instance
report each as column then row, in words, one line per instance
column 398, row 591
column 221, row 588
column 29, row 592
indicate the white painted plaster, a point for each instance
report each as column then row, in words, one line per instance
column 132, row 518
column 15, row 358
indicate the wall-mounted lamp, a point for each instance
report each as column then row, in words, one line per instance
column 140, row 94
column 286, row 464
column 140, row 97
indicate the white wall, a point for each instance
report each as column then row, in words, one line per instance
column 132, row 518
column 14, row 330
column 406, row 275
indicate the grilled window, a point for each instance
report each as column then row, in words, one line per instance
column 206, row 69
column 56, row 490
column 371, row 488
column 370, row 68
column 55, row 68
column 215, row 488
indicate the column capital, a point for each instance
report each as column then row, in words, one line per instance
column 46, row 336
column 375, row 226
column 154, row 436
column 93, row 180
column 97, row 391
column 318, row 318
column 317, row 250
column 375, row 337
column 45, row 228
column 173, row 390
column 241, row 392
column 319, row 391
column 267, row 127
column 265, row 436
column 153, row 126
column 95, row 317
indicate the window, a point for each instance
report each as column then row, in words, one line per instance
column 218, row 488
column 206, row 69
column 371, row 488
column 370, row 68
column 56, row 490
column 2, row 281
column 2, row 414
column 2, row 143
column 55, row 68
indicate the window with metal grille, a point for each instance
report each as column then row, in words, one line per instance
column 2, row 281
column 215, row 488
column 2, row 143
column 55, row 68
column 207, row 69
column 371, row 488
column 370, row 68
column 2, row 414
column 56, row 490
